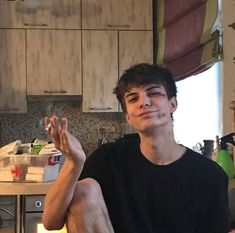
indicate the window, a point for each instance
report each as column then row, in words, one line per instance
column 198, row 116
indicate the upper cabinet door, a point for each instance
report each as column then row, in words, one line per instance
column 100, row 70
column 13, row 71
column 63, row 14
column 53, row 62
column 117, row 14
column 134, row 47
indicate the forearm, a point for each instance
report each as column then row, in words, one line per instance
column 60, row 195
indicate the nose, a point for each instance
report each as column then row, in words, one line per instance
column 144, row 101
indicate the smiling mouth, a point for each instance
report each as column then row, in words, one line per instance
column 146, row 113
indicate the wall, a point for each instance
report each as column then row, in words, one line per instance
column 84, row 126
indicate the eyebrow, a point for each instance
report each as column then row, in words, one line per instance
column 147, row 89
column 152, row 87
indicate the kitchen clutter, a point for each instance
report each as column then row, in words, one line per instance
column 223, row 154
column 105, row 133
column 37, row 161
column 206, row 149
column 113, row 133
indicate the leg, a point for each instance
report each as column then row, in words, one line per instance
column 87, row 211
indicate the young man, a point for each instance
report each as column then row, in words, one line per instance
column 149, row 184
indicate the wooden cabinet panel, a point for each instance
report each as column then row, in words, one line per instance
column 134, row 47
column 100, row 70
column 53, row 62
column 228, row 79
column 119, row 14
column 12, row 71
column 64, row 14
column 102, row 55
column 8, row 16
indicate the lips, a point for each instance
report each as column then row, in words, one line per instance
column 146, row 113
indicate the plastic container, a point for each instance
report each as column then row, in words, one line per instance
column 224, row 158
column 29, row 168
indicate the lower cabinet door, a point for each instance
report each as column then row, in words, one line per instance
column 33, row 222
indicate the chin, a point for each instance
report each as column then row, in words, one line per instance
column 149, row 127
column 146, row 128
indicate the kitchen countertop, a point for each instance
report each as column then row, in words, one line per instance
column 10, row 188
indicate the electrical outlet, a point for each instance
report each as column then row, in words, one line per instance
column 105, row 129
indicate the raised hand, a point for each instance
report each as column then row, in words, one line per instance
column 63, row 140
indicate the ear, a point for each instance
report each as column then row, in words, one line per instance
column 174, row 104
column 127, row 117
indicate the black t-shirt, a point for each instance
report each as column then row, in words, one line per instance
column 187, row 196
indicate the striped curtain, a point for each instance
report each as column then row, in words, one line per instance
column 184, row 40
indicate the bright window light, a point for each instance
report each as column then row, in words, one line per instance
column 198, row 116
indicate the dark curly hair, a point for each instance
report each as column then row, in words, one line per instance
column 143, row 74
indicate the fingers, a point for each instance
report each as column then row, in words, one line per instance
column 55, row 128
column 64, row 124
column 47, row 123
column 65, row 142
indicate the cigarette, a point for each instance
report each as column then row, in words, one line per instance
column 48, row 126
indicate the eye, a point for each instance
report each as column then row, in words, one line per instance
column 132, row 99
column 156, row 92
column 152, row 93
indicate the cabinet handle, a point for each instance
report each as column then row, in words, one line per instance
column 54, row 92
column 118, row 26
column 8, row 109
column 38, row 204
column 108, row 108
column 36, row 24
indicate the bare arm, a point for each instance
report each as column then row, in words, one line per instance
column 61, row 193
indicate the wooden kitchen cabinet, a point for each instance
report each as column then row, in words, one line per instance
column 228, row 80
column 12, row 71
column 60, row 57
column 119, row 35
column 60, row 14
column 53, row 62
column 100, row 68
column 117, row 14
column 106, row 54
column 134, row 47
column 8, row 17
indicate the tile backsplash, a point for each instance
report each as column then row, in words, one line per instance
column 84, row 126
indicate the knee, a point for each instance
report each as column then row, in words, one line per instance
column 87, row 211
column 87, row 188
column 87, row 193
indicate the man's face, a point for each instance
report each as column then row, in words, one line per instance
column 148, row 107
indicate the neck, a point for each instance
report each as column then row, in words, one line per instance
column 161, row 150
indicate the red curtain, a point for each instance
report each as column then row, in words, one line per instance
column 185, row 41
